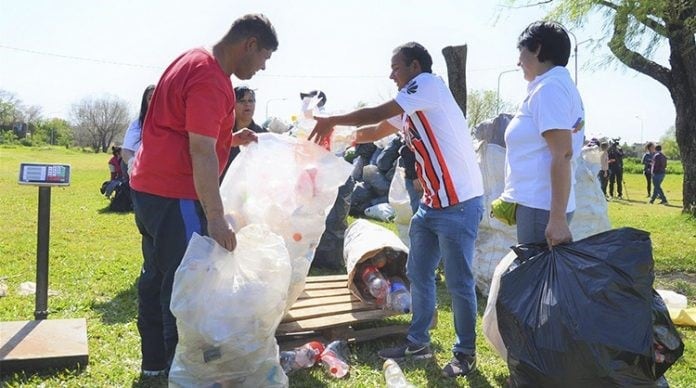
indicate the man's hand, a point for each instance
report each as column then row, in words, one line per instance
column 557, row 232
column 243, row 137
column 322, row 129
column 221, row 231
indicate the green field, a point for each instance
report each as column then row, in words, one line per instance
column 95, row 260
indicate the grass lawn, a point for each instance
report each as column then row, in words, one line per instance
column 95, row 259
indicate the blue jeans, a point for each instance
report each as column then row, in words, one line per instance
column 449, row 234
column 657, row 187
column 531, row 224
column 413, row 194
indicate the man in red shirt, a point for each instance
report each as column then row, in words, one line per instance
column 186, row 140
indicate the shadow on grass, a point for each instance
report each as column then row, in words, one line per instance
column 122, row 308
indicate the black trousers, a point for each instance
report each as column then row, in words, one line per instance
column 166, row 226
column 616, row 176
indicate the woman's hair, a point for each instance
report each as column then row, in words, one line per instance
column 553, row 39
column 240, row 91
column 649, row 145
column 144, row 104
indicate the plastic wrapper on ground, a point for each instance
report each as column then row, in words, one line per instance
column 401, row 203
column 224, row 340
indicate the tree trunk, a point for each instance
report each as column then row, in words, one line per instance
column 683, row 92
column 455, row 57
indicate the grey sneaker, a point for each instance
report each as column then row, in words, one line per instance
column 460, row 365
column 409, row 350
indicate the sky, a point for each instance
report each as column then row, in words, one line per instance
column 55, row 53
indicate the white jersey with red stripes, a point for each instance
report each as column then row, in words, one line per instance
column 437, row 131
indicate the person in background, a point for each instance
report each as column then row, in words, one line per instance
column 543, row 138
column 604, row 168
column 244, row 118
column 116, row 176
column 446, row 223
column 647, row 164
column 133, row 136
column 659, row 169
column 186, row 141
column 615, row 168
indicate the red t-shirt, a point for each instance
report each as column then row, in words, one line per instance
column 193, row 95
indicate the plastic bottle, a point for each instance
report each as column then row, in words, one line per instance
column 334, row 358
column 665, row 337
column 399, row 298
column 376, row 283
column 394, row 375
column 303, row 357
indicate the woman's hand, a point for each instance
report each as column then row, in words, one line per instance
column 557, row 232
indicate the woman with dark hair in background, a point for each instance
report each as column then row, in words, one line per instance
column 244, row 118
column 647, row 164
column 133, row 136
column 543, row 138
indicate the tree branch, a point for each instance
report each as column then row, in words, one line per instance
column 632, row 59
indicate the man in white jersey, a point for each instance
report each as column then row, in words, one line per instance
column 446, row 223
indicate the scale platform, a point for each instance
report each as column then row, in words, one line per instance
column 43, row 344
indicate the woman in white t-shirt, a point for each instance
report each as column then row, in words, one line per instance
column 133, row 136
column 543, row 138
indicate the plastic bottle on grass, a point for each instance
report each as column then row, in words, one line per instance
column 303, row 357
column 394, row 376
column 334, row 358
column 399, row 298
column 376, row 283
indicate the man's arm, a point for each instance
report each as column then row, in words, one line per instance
column 206, row 182
column 561, row 147
column 371, row 133
column 358, row 117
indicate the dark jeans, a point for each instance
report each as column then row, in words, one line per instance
column 657, row 192
column 603, row 180
column 648, row 180
column 166, row 226
column 616, row 176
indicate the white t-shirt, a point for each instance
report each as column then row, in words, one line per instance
column 553, row 102
column 436, row 130
column 133, row 137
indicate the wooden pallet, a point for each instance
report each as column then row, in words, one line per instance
column 327, row 311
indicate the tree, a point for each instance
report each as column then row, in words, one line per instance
column 636, row 28
column 669, row 144
column 97, row 122
column 55, row 131
column 455, row 58
column 482, row 105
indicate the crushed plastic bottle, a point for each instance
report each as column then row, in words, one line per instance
column 379, row 260
column 334, row 358
column 399, row 298
column 376, row 283
column 394, row 376
column 303, row 357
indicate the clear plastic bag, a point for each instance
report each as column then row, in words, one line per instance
column 289, row 184
column 224, row 339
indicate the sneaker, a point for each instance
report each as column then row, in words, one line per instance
column 153, row 373
column 663, row 202
column 460, row 365
column 409, row 350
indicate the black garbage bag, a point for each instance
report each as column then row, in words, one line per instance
column 329, row 252
column 668, row 343
column 580, row 315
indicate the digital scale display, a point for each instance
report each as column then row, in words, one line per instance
column 43, row 174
